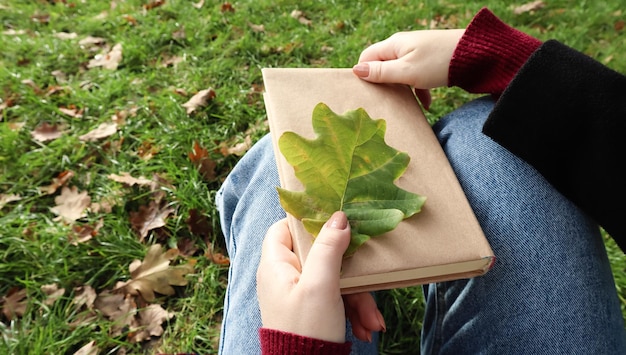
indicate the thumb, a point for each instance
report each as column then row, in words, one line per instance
column 389, row 71
column 325, row 257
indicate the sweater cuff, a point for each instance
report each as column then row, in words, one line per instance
column 489, row 55
column 274, row 342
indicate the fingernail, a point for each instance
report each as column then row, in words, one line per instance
column 338, row 220
column 381, row 320
column 361, row 70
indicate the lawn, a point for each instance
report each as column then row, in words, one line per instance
column 119, row 120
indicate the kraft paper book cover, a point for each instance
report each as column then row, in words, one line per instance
column 442, row 242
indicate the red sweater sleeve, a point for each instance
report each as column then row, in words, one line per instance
column 489, row 55
column 276, row 342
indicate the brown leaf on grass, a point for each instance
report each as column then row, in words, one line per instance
column 14, row 303
column 155, row 274
column 187, row 247
column 150, row 323
column 40, row 18
column 299, row 15
column 8, row 198
column 238, row 149
column 127, row 179
column 216, row 257
column 84, row 296
column 227, row 7
column 154, row 4
column 46, row 132
column 201, row 159
column 32, row 85
column 118, row 308
column 198, row 100
column 198, row 5
column 149, row 217
column 179, row 34
column 256, row 28
column 91, row 43
column 198, row 223
column 72, row 111
column 109, row 60
column 168, row 60
column 53, row 293
column 130, row 19
column 65, row 35
column 88, row 349
column 102, row 131
column 13, row 32
column 528, row 7
column 84, row 233
column 71, row 204
column 57, row 182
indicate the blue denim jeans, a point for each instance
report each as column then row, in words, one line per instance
column 551, row 290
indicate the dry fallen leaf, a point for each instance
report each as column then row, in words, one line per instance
column 155, row 275
column 88, row 349
column 149, row 217
column 14, row 303
column 198, row 223
column 238, row 149
column 117, row 307
column 8, row 198
column 154, row 4
column 104, row 130
column 150, row 323
column 227, row 7
column 528, row 7
column 216, row 257
column 84, row 296
column 71, row 204
column 200, row 157
column 90, row 42
column 57, row 182
column 84, row 233
column 127, row 179
column 53, row 292
column 199, row 100
column 198, row 5
column 72, row 111
column 299, row 15
column 46, row 132
column 65, row 35
column 108, row 60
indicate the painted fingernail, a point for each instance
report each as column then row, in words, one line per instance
column 361, row 70
column 381, row 320
column 338, row 220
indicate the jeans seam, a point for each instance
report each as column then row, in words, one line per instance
column 440, row 313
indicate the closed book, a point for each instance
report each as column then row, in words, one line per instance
column 442, row 242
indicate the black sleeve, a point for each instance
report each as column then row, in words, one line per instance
column 565, row 114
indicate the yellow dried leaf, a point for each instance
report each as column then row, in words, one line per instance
column 104, row 130
column 108, row 60
column 71, row 204
column 155, row 275
column 150, row 323
column 199, row 100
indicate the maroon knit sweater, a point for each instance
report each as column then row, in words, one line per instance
column 486, row 59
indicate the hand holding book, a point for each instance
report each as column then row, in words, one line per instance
column 312, row 305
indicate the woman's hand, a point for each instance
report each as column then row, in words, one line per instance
column 418, row 58
column 306, row 300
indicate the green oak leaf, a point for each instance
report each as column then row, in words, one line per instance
column 347, row 167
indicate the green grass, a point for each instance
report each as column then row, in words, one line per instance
column 220, row 50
